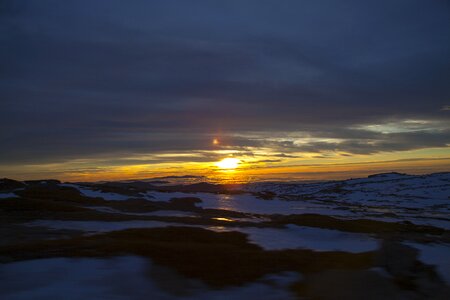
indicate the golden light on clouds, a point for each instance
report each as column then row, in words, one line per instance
column 263, row 164
column 215, row 142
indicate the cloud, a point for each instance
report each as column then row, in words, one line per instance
column 92, row 80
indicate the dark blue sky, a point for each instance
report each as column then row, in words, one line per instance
column 82, row 79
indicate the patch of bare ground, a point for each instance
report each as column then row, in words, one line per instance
column 228, row 259
column 16, row 233
column 399, row 230
column 53, row 202
column 218, row 259
column 402, row 276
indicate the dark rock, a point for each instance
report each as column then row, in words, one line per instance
column 396, row 258
column 349, row 284
column 386, row 175
column 265, row 195
column 43, row 182
column 186, row 203
column 401, row 262
column 7, row 184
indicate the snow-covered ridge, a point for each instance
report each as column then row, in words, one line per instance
column 433, row 186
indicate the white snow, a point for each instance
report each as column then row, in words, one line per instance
column 419, row 199
column 437, row 255
column 386, row 197
column 168, row 213
column 247, row 203
column 166, row 196
column 291, row 237
column 415, row 220
column 400, row 187
column 121, row 278
column 91, row 193
column 160, row 213
column 7, row 195
column 99, row 226
column 295, row 237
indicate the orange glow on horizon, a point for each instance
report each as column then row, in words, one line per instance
column 238, row 167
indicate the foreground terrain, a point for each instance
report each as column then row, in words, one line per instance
column 381, row 237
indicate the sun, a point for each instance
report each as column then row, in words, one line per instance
column 228, row 163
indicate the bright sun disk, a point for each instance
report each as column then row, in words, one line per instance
column 228, row 163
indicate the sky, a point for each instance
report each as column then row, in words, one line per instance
column 292, row 89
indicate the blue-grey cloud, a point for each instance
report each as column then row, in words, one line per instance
column 92, row 78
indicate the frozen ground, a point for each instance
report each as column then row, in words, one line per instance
column 94, row 193
column 128, row 277
column 255, row 210
column 7, row 195
column 390, row 197
column 292, row 237
column 295, row 237
column 162, row 213
column 437, row 255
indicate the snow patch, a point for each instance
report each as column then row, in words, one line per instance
column 437, row 255
column 91, row 193
column 7, row 195
column 296, row 237
column 291, row 237
column 119, row 278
